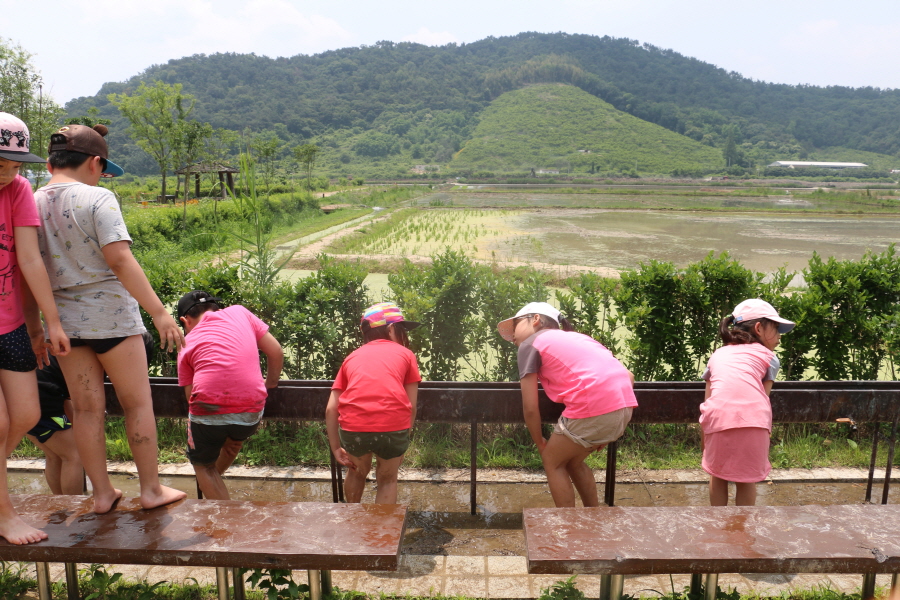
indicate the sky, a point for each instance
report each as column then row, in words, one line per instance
column 78, row 45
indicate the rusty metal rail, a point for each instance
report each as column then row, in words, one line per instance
column 659, row 402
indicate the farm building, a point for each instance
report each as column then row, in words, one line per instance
column 796, row 164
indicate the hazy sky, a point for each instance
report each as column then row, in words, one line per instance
column 78, row 44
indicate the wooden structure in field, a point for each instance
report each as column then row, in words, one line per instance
column 226, row 176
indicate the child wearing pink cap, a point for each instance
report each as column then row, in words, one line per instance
column 372, row 406
column 736, row 416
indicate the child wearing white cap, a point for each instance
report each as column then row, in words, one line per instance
column 21, row 332
column 736, row 416
column 579, row 372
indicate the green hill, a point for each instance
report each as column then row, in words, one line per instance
column 381, row 109
column 558, row 126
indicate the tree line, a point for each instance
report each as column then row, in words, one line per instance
column 394, row 92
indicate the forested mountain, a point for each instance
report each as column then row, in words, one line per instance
column 395, row 103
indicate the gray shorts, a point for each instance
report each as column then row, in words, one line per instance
column 595, row 431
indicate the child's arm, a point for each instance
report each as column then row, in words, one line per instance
column 334, row 437
column 123, row 264
column 274, row 359
column 34, row 326
column 767, row 385
column 529, row 385
column 187, row 391
column 34, row 273
column 412, row 392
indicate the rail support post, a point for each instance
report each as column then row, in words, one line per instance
column 222, row 582
column 72, row 591
column 696, row 583
column 868, row 586
column 712, row 584
column 611, row 587
column 43, row 580
column 315, row 584
column 237, row 579
column 473, row 467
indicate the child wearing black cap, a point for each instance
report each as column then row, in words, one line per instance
column 98, row 287
column 219, row 370
column 19, row 221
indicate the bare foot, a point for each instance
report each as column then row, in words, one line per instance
column 161, row 496
column 104, row 504
column 16, row 531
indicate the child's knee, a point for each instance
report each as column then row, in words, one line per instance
column 21, row 421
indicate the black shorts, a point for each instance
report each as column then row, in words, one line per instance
column 15, row 351
column 100, row 346
column 46, row 427
column 206, row 441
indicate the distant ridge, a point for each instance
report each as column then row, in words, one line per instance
column 386, row 107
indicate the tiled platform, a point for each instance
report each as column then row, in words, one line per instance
column 498, row 577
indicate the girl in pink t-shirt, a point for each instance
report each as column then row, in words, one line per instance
column 579, row 372
column 736, row 416
column 372, row 406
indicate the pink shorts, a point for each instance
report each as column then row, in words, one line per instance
column 740, row 455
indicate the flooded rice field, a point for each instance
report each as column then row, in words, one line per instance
column 439, row 520
column 760, row 241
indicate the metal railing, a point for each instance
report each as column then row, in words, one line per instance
column 475, row 403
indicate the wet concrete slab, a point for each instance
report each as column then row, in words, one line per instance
column 446, row 550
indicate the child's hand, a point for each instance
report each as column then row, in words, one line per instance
column 343, row 458
column 59, row 341
column 541, row 445
column 170, row 336
column 40, row 347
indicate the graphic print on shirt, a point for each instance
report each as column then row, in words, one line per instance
column 7, row 266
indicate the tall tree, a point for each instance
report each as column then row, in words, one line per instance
column 264, row 149
column 306, row 156
column 21, row 94
column 157, row 114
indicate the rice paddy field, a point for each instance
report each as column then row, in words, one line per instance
column 611, row 232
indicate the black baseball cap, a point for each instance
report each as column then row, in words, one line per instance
column 192, row 299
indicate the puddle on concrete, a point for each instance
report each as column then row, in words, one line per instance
column 439, row 520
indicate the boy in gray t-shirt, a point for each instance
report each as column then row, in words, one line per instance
column 98, row 285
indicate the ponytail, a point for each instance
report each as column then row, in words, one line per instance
column 739, row 333
column 565, row 325
column 549, row 323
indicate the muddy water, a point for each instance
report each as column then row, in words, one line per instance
column 439, row 520
column 761, row 242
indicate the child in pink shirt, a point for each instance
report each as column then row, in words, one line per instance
column 372, row 406
column 22, row 277
column 736, row 417
column 219, row 370
column 580, row 373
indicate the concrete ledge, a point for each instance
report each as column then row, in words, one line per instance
column 302, row 473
